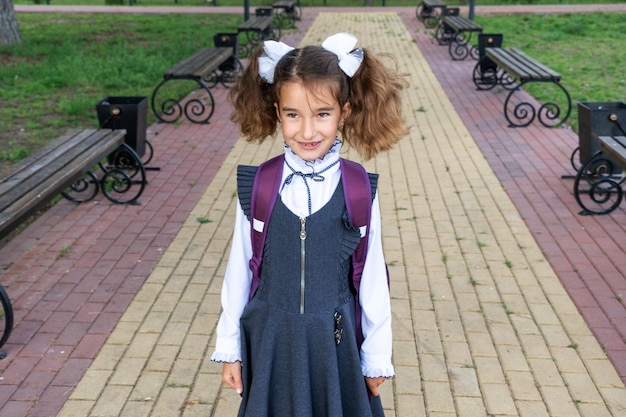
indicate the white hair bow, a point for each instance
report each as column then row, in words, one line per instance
column 342, row 44
column 272, row 53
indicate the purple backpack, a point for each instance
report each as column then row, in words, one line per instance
column 358, row 195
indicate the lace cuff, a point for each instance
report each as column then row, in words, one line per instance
column 225, row 357
column 378, row 372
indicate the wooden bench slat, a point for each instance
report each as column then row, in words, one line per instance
column 519, row 65
column 53, row 172
column 186, row 65
column 201, row 63
column 208, row 64
column 531, row 67
column 504, row 59
column 71, row 156
column 522, row 68
column 510, row 63
column 54, row 155
column 536, row 66
column 34, row 159
column 462, row 24
column 614, row 146
column 191, row 63
column 256, row 23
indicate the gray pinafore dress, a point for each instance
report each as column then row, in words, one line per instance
column 299, row 349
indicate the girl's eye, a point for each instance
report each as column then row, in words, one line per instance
column 292, row 115
column 323, row 115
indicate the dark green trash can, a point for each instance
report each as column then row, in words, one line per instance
column 228, row 40
column 598, row 119
column 128, row 113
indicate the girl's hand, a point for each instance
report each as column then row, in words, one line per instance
column 373, row 383
column 231, row 375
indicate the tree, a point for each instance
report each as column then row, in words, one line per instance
column 9, row 29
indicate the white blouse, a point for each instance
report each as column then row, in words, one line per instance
column 373, row 292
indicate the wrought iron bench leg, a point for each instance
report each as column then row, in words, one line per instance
column 459, row 47
column 84, row 189
column 7, row 319
column 597, row 189
column 524, row 113
column 195, row 110
column 125, row 170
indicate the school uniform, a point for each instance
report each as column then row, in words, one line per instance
column 296, row 338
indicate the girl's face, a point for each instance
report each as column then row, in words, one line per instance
column 309, row 119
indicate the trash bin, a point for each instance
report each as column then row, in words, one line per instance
column 228, row 40
column 128, row 113
column 264, row 11
column 598, row 119
column 488, row 40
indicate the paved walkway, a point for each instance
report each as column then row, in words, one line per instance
column 482, row 252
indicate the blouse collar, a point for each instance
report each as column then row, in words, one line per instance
column 317, row 165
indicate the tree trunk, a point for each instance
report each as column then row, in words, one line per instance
column 9, row 29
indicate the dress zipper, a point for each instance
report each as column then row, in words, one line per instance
column 302, row 264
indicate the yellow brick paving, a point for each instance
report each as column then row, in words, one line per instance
column 482, row 325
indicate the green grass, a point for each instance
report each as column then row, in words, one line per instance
column 67, row 63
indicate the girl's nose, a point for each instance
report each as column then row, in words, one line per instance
column 308, row 129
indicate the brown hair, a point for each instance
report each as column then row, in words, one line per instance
column 375, row 121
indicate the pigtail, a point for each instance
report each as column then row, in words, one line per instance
column 253, row 103
column 375, row 122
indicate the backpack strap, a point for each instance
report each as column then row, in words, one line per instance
column 264, row 193
column 358, row 195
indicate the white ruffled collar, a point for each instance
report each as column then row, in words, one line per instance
column 317, row 165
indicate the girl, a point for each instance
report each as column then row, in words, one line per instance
column 292, row 351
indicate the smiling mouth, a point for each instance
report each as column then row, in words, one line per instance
column 309, row 145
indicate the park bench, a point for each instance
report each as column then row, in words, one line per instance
column 430, row 11
column 257, row 29
column 287, row 9
column 206, row 68
column 514, row 70
column 65, row 167
column 458, row 30
column 444, row 33
column 598, row 183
